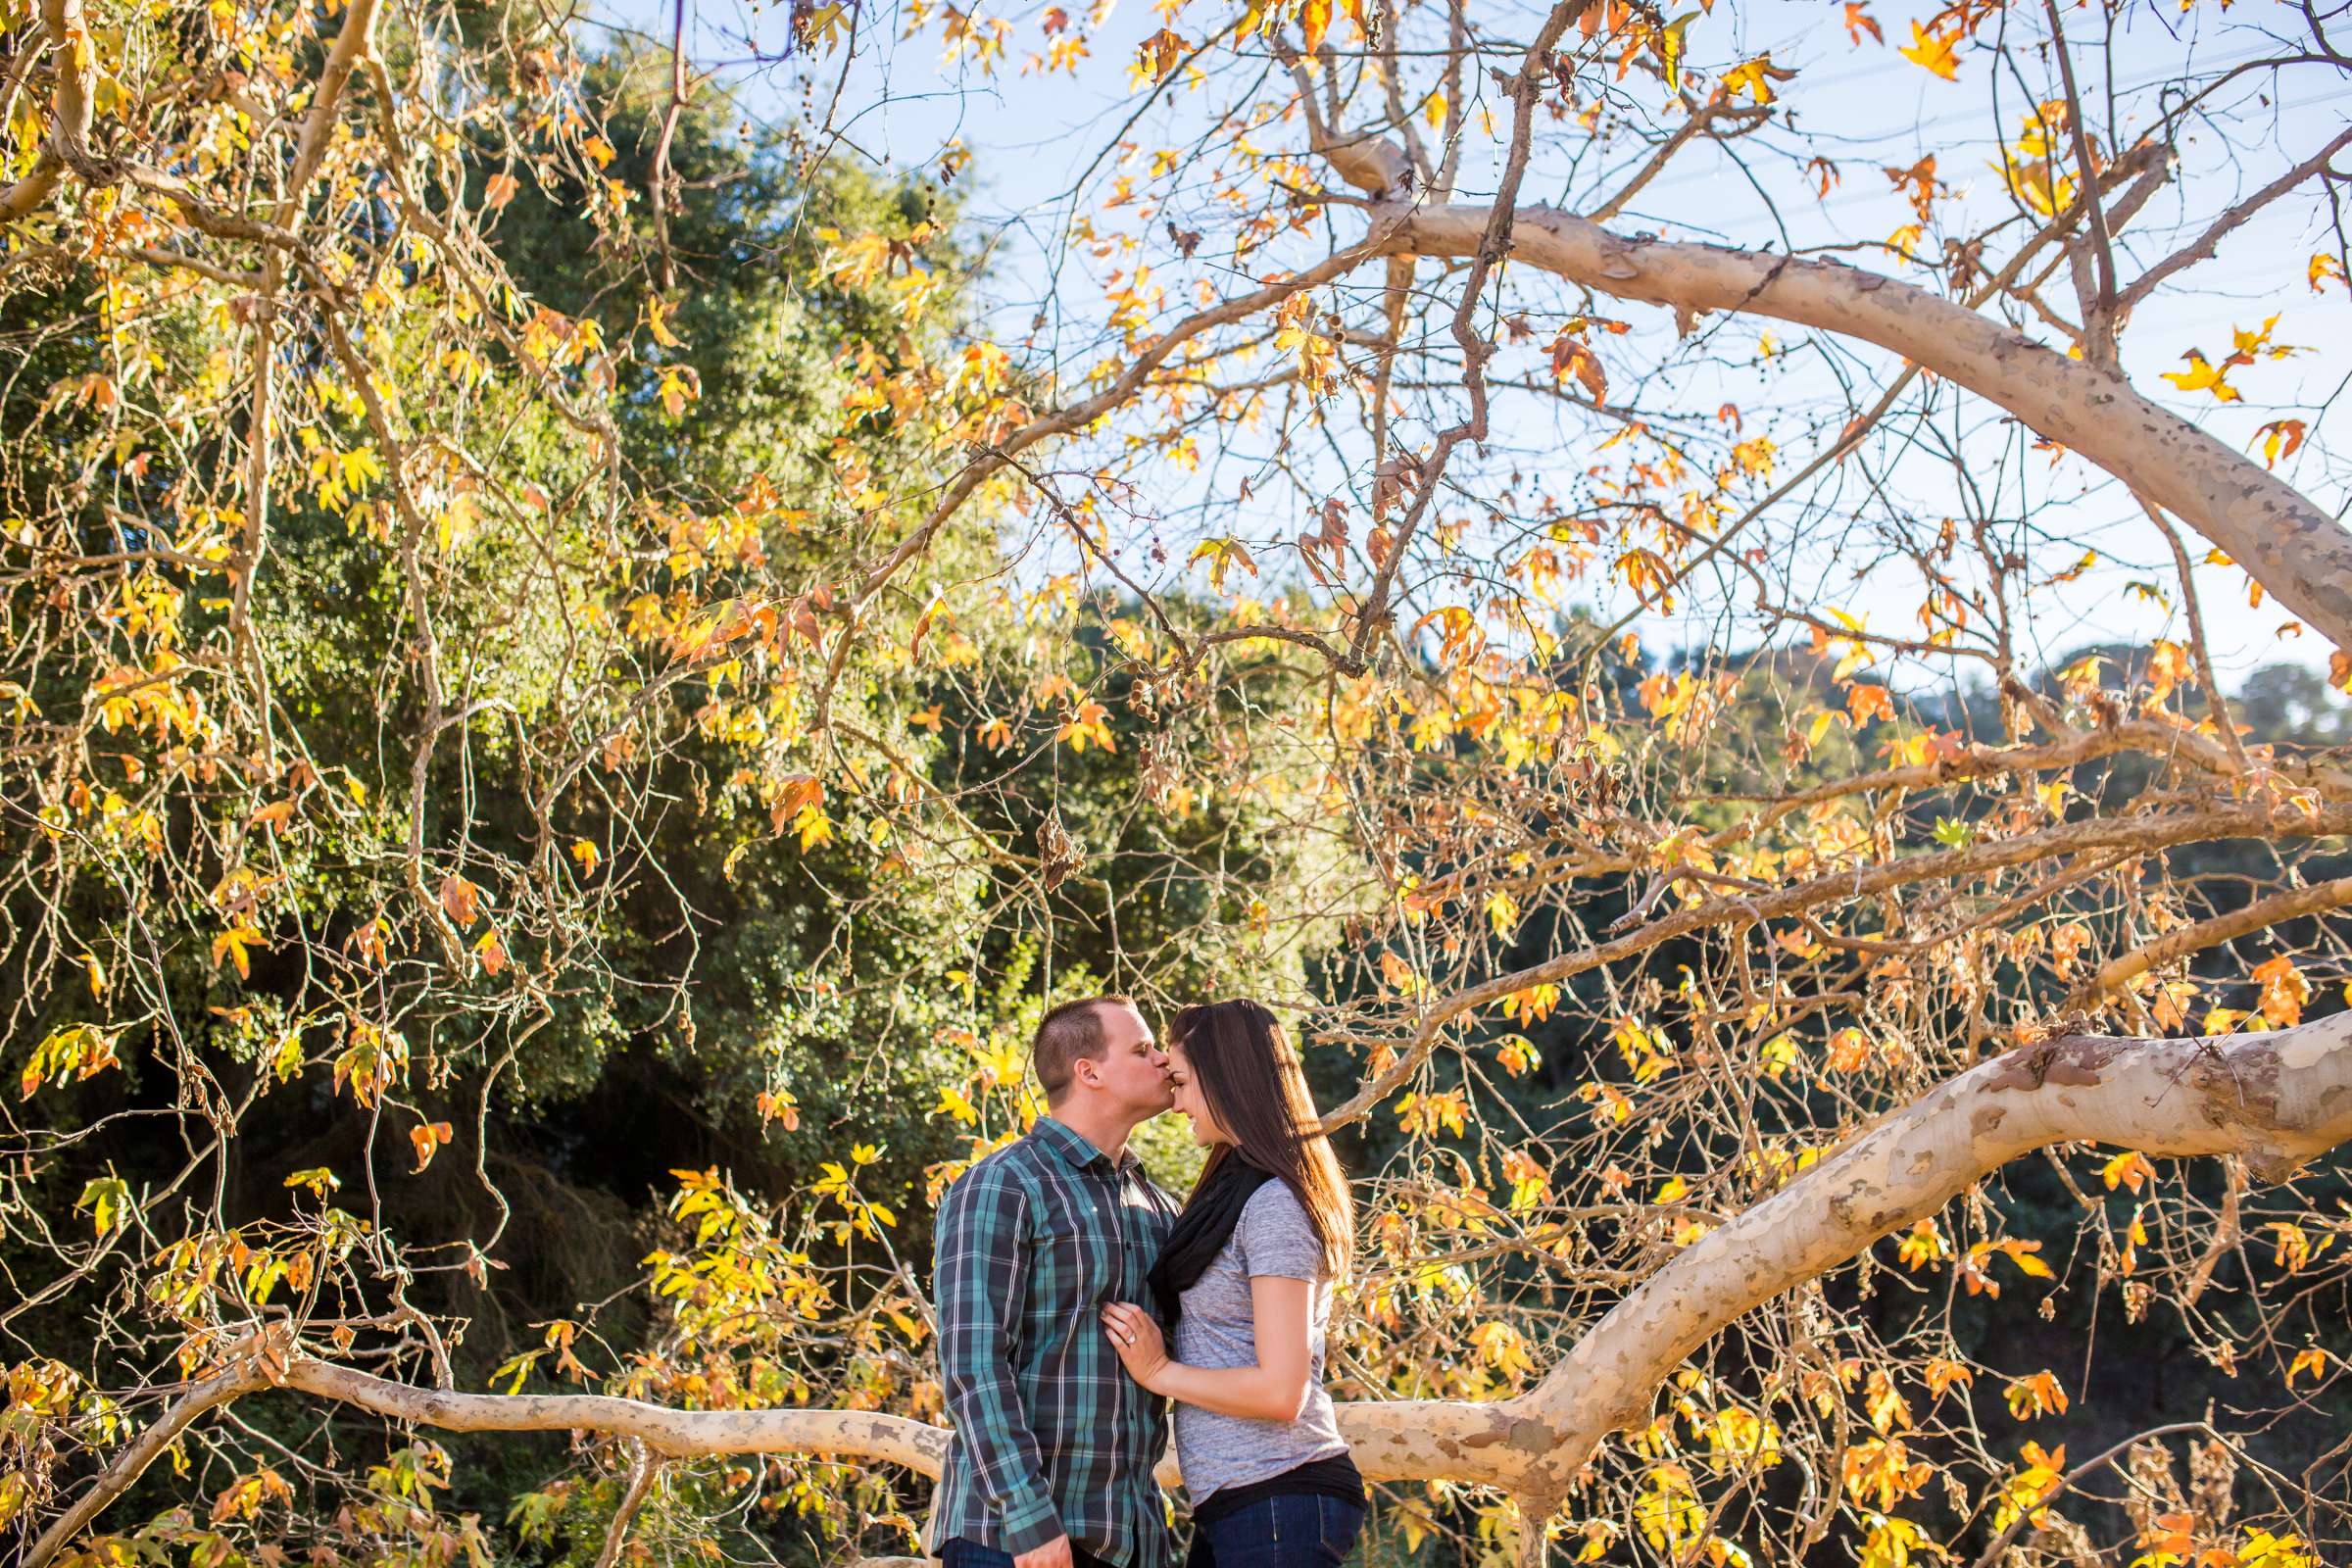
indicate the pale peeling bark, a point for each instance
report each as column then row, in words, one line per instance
column 2298, row 552
column 354, row 41
column 65, row 30
column 669, row 1433
column 1409, row 1439
column 2276, row 1099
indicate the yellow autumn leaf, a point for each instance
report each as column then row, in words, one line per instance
column 108, row 1199
column 656, row 321
column 232, row 945
column 1932, row 52
column 2202, row 376
column 1752, row 76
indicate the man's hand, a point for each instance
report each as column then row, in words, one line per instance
column 1054, row 1553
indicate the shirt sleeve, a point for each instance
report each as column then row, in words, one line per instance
column 978, row 1277
column 1275, row 1237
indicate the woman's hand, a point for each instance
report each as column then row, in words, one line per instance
column 1137, row 1337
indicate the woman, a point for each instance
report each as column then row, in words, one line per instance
column 1246, row 1279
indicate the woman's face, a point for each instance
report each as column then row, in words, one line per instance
column 1191, row 1103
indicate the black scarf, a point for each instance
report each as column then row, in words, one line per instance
column 1202, row 1230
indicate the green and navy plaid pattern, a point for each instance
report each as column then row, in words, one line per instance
column 1052, row 1436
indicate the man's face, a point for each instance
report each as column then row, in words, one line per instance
column 1133, row 1070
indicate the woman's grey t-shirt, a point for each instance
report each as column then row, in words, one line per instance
column 1218, row 1329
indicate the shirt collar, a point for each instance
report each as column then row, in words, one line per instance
column 1074, row 1148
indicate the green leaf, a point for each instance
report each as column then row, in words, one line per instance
column 1671, row 46
column 108, row 1198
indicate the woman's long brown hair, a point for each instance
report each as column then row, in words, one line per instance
column 1252, row 1079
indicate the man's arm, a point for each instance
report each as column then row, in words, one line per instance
column 979, row 1277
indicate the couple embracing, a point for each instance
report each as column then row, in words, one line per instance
column 1062, row 1270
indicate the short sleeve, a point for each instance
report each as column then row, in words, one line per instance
column 1274, row 1236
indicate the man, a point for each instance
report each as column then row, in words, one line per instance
column 1051, row 1464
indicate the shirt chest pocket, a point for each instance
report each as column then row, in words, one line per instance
column 1072, row 1264
column 1087, row 1260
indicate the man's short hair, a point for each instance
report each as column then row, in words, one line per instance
column 1068, row 1035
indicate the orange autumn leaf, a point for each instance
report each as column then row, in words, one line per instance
column 1314, row 21
column 1572, row 357
column 2129, row 1169
column 1868, row 703
column 2279, row 438
column 460, row 900
column 2284, row 991
column 2039, row 1394
column 429, row 1137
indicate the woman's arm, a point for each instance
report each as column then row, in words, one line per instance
column 1274, row 1389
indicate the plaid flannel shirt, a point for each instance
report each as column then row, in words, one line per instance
column 1052, row 1436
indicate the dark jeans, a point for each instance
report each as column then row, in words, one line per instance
column 1301, row 1530
column 962, row 1554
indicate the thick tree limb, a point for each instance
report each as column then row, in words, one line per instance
column 665, row 1433
column 1407, row 1440
column 2277, row 1099
column 243, row 1377
column 2298, row 552
column 70, row 110
column 353, row 41
column 642, row 1474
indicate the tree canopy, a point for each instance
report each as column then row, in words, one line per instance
column 1739, row 614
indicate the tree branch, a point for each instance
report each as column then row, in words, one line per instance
column 2296, row 551
column 1702, row 118
column 2291, row 905
column 2278, row 1100
column 243, row 1376
column 2201, row 248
